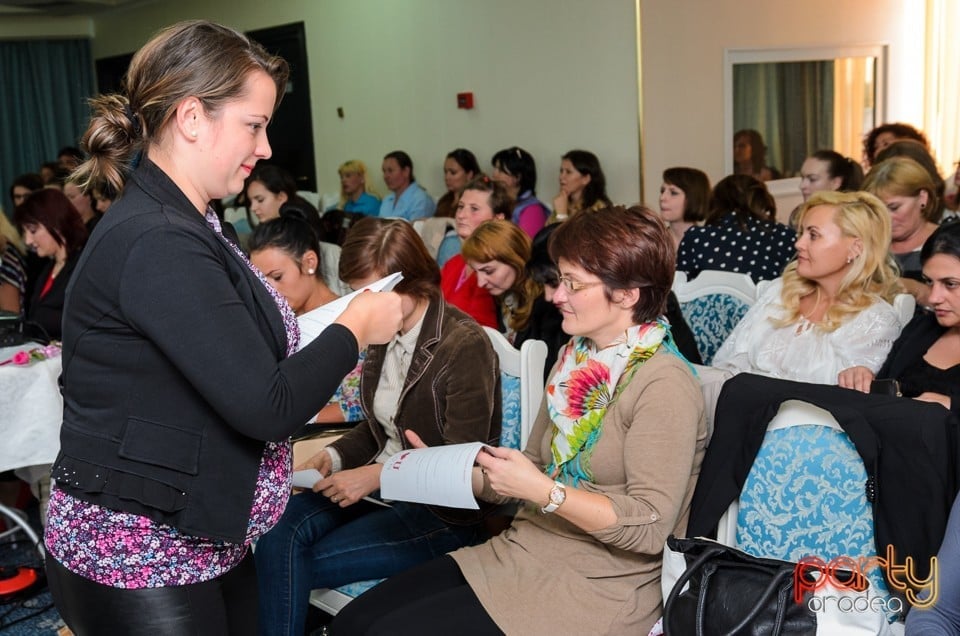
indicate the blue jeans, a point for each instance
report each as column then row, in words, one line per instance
column 318, row 544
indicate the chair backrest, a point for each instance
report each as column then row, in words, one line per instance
column 310, row 197
column 712, row 304
column 521, row 373
column 330, row 268
column 711, row 383
column 432, row 230
column 805, row 494
column 905, row 304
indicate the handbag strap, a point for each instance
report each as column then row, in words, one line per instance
column 776, row 582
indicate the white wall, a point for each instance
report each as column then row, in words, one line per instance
column 683, row 42
column 547, row 75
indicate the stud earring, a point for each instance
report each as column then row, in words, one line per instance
column 193, row 133
column 311, row 271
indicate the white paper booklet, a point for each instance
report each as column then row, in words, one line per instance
column 313, row 322
column 439, row 475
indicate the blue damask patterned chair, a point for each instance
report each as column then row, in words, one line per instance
column 712, row 304
column 805, row 495
column 521, row 388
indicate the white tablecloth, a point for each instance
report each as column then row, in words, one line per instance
column 31, row 411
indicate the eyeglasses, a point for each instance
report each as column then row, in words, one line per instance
column 573, row 286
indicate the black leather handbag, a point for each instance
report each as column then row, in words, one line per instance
column 731, row 592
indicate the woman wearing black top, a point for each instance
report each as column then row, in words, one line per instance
column 925, row 359
column 52, row 229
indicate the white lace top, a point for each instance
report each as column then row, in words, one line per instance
column 801, row 351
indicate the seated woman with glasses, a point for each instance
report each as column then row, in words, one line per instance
column 606, row 477
column 439, row 378
column 830, row 311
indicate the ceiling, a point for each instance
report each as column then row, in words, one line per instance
column 59, row 7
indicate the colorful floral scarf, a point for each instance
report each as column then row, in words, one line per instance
column 588, row 382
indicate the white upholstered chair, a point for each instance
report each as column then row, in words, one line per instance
column 712, row 304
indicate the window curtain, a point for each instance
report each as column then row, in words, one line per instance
column 854, row 110
column 942, row 99
column 790, row 104
column 43, row 103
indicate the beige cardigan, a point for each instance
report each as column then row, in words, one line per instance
column 543, row 575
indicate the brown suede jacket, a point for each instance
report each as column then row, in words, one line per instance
column 451, row 395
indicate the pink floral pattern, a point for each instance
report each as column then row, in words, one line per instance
column 587, row 389
column 25, row 357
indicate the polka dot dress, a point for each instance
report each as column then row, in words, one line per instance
column 762, row 251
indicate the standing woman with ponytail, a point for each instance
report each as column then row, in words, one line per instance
column 180, row 382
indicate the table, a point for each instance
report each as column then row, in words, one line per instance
column 31, row 411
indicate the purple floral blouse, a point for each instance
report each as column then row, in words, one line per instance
column 126, row 550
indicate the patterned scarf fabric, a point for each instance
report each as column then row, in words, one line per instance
column 588, row 382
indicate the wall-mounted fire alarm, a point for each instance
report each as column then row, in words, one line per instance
column 465, row 100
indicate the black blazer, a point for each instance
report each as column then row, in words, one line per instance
column 175, row 370
column 44, row 314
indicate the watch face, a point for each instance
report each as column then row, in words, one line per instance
column 557, row 495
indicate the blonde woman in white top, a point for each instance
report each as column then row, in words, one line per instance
column 831, row 310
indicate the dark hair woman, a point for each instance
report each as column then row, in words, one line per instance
column 407, row 200
column 288, row 253
column 925, row 359
column 750, row 156
column 582, row 185
column 459, row 168
column 885, row 134
column 684, row 195
column 516, row 169
column 740, row 233
column 829, row 170
column 270, row 190
column 52, row 229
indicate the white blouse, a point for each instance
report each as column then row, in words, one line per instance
column 801, row 351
